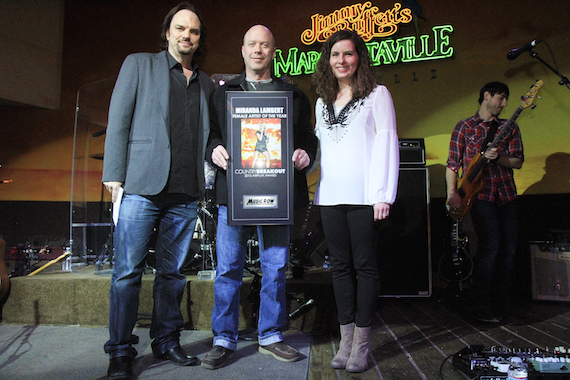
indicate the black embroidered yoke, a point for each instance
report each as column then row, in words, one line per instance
column 337, row 126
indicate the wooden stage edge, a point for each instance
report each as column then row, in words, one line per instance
column 81, row 297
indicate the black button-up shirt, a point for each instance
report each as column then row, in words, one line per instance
column 184, row 124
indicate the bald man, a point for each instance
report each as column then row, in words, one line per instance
column 258, row 50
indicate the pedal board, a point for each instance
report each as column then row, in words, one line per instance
column 493, row 364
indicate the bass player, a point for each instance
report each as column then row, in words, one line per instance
column 494, row 207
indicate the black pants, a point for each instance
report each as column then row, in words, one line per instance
column 497, row 230
column 351, row 236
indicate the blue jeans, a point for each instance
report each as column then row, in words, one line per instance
column 231, row 243
column 496, row 227
column 138, row 216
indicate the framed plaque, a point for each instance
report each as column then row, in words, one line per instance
column 260, row 169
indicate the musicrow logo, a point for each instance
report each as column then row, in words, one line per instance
column 260, row 201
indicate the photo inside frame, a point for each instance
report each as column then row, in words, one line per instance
column 261, row 143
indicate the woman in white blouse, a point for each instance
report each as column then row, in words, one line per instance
column 356, row 127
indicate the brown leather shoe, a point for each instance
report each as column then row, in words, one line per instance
column 280, row 351
column 217, row 357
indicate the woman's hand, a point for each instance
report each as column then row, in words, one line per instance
column 381, row 210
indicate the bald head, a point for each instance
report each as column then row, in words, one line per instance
column 258, row 50
column 257, row 30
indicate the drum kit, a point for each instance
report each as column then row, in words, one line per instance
column 307, row 248
column 307, row 241
column 24, row 259
column 202, row 254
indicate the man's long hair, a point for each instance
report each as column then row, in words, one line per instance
column 363, row 81
column 168, row 20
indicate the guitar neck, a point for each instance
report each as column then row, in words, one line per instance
column 454, row 233
column 495, row 143
column 508, row 125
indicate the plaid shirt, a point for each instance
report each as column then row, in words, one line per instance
column 467, row 140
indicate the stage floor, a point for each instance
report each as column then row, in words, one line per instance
column 411, row 337
column 76, row 353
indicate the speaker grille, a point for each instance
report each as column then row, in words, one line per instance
column 404, row 253
column 550, row 275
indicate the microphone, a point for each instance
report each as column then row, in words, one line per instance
column 99, row 133
column 302, row 309
column 513, row 54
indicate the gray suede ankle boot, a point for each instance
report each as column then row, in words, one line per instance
column 345, row 346
column 358, row 360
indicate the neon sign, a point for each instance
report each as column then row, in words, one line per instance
column 369, row 23
column 364, row 19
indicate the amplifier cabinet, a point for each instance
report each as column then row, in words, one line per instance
column 412, row 152
column 550, row 274
column 404, row 253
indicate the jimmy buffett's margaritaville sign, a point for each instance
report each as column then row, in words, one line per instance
column 374, row 27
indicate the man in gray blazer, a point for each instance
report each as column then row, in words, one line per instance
column 154, row 150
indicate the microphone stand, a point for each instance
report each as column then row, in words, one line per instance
column 563, row 80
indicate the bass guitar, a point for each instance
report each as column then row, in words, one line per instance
column 472, row 181
column 456, row 265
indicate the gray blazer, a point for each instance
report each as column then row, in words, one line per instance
column 137, row 143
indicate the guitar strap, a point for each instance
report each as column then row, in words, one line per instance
column 490, row 135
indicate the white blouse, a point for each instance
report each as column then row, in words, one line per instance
column 359, row 151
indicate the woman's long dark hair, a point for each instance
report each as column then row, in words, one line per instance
column 363, row 81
